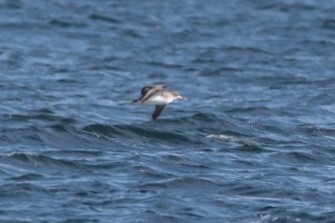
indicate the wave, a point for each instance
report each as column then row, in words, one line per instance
column 46, row 163
column 178, row 130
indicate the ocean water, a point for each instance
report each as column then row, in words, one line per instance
column 254, row 142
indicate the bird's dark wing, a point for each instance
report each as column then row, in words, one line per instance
column 157, row 112
column 151, row 90
column 148, row 91
column 145, row 90
column 136, row 100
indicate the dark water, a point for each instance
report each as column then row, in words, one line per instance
column 254, row 142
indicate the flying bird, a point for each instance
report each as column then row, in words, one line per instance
column 157, row 95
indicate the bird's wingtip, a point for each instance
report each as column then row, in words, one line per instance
column 134, row 101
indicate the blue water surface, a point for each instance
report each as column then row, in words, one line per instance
column 254, row 142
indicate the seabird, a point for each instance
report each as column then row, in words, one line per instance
column 157, row 95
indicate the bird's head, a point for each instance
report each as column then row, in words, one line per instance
column 176, row 95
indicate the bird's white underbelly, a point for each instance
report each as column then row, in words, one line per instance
column 158, row 100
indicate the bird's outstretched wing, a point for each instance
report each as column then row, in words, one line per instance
column 148, row 91
column 157, row 112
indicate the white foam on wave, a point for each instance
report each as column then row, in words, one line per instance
column 230, row 138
